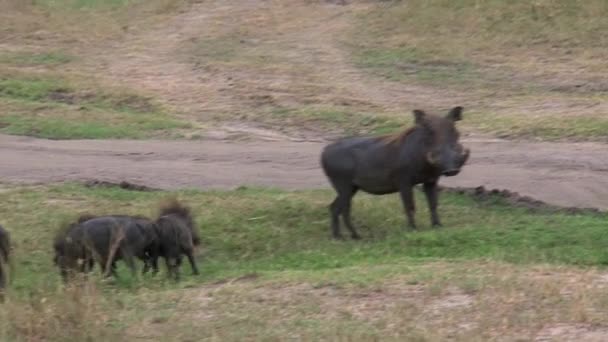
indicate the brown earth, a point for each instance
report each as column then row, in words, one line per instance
column 574, row 175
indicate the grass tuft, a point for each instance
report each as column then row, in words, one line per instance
column 69, row 109
column 32, row 59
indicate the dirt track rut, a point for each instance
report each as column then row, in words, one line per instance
column 560, row 174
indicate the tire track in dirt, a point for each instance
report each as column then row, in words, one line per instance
column 573, row 175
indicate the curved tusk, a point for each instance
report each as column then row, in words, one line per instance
column 465, row 155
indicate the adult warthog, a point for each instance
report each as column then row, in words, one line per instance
column 71, row 254
column 177, row 236
column 121, row 237
column 395, row 163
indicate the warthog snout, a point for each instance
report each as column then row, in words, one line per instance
column 452, row 172
column 449, row 161
column 462, row 159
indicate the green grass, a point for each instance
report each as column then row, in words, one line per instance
column 254, row 230
column 57, row 90
column 129, row 126
column 283, row 239
column 560, row 127
column 66, row 109
column 31, row 59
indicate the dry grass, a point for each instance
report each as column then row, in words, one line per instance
column 60, row 106
column 78, row 312
column 305, row 65
column 433, row 301
column 72, row 23
column 542, row 44
column 532, row 69
column 428, row 302
column 274, row 63
column 45, row 89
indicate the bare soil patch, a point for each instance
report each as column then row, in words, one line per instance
column 482, row 194
column 572, row 332
column 567, row 175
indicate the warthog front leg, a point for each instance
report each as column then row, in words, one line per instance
column 407, row 197
column 431, row 192
column 190, row 256
column 154, row 262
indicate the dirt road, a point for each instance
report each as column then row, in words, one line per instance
column 561, row 174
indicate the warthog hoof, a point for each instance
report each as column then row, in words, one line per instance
column 337, row 237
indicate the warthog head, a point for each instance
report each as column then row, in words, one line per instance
column 444, row 149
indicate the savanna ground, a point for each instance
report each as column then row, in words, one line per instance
column 270, row 272
column 174, row 68
column 178, row 69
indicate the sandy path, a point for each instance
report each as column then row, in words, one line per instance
column 561, row 174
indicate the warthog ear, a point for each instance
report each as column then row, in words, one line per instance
column 419, row 115
column 455, row 114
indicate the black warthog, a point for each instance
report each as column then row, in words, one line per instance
column 177, row 236
column 120, row 237
column 5, row 249
column 395, row 163
column 71, row 254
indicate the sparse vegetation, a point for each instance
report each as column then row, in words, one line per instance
column 66, row 109
column 336, row 119
column 518, row 58
column 32, row 59
column 45, row 92
column 77, row 21
column 278, row 244
column 558, row 127
column 484, row 33
column 524, row 70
